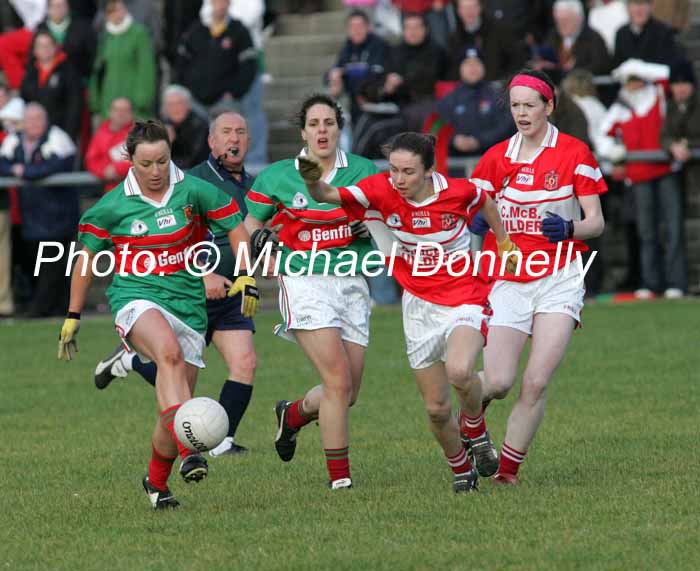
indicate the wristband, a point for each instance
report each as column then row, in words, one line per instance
column 73, row 315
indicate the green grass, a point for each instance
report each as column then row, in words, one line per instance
column 611, row 481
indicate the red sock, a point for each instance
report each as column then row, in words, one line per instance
column 472, row 427
column 296, row 417
column 459, row 463
column 168, row 417
column 510, row 459
column 159, row 469
column 338, row 463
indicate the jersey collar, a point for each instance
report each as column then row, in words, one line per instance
column 131, row 186
column 225, row 175
column 439, row 184
column 341, row 162
column 549, row 141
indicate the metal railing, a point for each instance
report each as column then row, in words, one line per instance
column 83, row 178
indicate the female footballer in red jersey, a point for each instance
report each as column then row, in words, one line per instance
column 158, row 304
column 445, row 312
column 540, row 179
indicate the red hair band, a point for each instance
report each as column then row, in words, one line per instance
column 533, row 83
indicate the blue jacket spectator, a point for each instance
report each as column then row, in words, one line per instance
column 360, row 60
column 475, row 110
column 48, row 213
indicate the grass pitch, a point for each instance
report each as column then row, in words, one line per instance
column 611, row 481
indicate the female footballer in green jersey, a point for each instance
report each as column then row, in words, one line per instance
column 326, row 314
column 153, row 219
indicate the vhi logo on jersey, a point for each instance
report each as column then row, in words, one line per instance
column 138, row 228
column 299, row 201
column 420, row 219
column 393, row 220
column 525, row 179
column 166, row 221
column 551, row 180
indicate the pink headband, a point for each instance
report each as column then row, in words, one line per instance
column 533, row 83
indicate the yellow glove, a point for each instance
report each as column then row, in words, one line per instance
column 67, row 340
column 505, row 247
column 246, row 286
column 309, row 170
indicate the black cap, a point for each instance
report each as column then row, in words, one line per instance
column 472, row 51
column 682, row 72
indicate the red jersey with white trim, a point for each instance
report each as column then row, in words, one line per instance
column 562, row 170
column 416, row 228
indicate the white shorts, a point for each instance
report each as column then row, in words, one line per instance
column 316, row 302
column 515, row 304
column 427, row 327
column 191, row 342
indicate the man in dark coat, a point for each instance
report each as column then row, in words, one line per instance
column 645, row 37
column 504, row 51
column 576, row 45
column 188, row 131
column 217, row 62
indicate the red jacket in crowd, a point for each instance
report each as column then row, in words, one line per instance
column 636, row 120
column 14, row 54
column 418, row 6
column 107, row 148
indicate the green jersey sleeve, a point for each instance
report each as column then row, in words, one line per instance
column 219, row 210
column 93, row 229
column 260, row 201
column 369, row 168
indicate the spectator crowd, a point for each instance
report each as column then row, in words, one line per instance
column 625, row 85
column 74, row 75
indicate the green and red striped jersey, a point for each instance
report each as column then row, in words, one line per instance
column 152, row 241
column 279, row 195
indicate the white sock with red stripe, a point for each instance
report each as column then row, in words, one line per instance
column 472, row 427
column 459, row 463
column 510, row 460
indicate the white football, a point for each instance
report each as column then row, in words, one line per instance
column 201, row 424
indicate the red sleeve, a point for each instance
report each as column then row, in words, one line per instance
column 360, row 197
column 474, row 199
column 485, row 174
column 588, row 179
